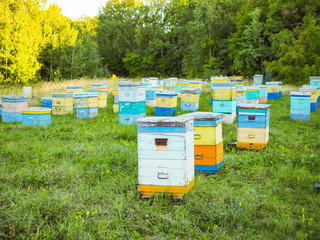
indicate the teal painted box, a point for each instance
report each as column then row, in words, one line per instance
column 224, row 106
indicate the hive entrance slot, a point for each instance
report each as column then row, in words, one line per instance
column 252, row 118
column 161, row 141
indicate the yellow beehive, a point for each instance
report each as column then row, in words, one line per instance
column 208, row 135
column 62, row 103
column 102, row 96
column 166, row 102
column 224, row 93
column 189, row 97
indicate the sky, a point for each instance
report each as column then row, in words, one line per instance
column 77, row 8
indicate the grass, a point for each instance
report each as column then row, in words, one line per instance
column 76, row 180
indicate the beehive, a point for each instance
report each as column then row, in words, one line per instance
column 132, row 102
column 173, row 82
column 300, row 105
column 166, row 103
column 252, row 94
column 86, row 104
column 263, row 94
column 62, row 103
column 224, row 91
column 273, row 90
column 253, row 125
column 208, row 142
column 100, row 85
column 239, row 85
column 316, row 87
column 165, row 155
column 315, row 80
column 102, row 95
column 314, row 96
column 12, row 108
column 0, row 108
column 115, row 106
column 217, row 80
column 74, row 89
column 154, row 81
column 151, row 97
column 197, row 84
column 182, row 84
column 190, row 99
column 241, row 98
column 46, row 102
column 257, row 79
column 36, row 116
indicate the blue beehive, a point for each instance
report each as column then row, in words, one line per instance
column 46, row 102
column 132, row 102
column 12, row 108
column 36, row 116
column 252, row 93
column 86, row 105
column 300, row 105
column 273, row 90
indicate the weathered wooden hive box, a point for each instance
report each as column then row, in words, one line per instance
column 165, row 155
column 190, row 99
column 0, row 108
column 314, row 96
column 315, row 81
column 252, row 94
column 273, row 90
column 166, row 103
column 241, row 97
column 86, row 104
column 239, row 85
column 36, row 116
column 263, row 94
column 151, row 97
column 115, row 96
column 102, row 95
column 300, row 105
column 154, row 81
column 182, row 84
column 257, row 79
column 208, row 142
column 12, row 108
column 197, row 84
column 46, row 102
column 74, row 89
column 217, row 80
column 62, row 103
column 132, row 102
column 253, row 125
column 224, row 91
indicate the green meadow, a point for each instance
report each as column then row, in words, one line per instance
column 76, row 179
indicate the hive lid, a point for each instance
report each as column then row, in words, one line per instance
column 98, row 89
column 300, row 93
column 86, row 94
column 163, row 122
column 36, row 109
column 62, row 94
column 240, row 91
column 167, row 92
column 14, row 97
column 74, row 87
column 225, row 83
column 131, row 84
column 191, row 90
column 261, row 86
column 310, row 86
column 203, row 116
column 314, row 77
column 253, row 106
column 46, row 98
column 252, row 88
column 98, row 84
column 308, row 89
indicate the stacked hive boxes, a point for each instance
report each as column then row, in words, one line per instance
column 154, row 81
column 151, row 97
column 86, row 104
column 263, row 94
column 300, row 105
column 182, row 85
column 62, row 103
column 132, row 102
column 165, row 155
column 257, row 79
column 253, row 125
column 74, row 89
column 46, row 102
column 315, row 81
column 115, row 106
column 252, row 95
column 224, row 100
column 273, row 90
column 166, row 103
column 208, row 142
column 314, row 96
column 12, row 108
column 102, row 95
column 241, row 97
column 190, row 99
column 239, row 85
column 197, row 84
column 36, row 116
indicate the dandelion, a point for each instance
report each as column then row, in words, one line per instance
column 76, row 217
column 199, row 177
column 230, row 132
column 271, row 162
column 298, row 178
column 108, row 171
column 79, row 216
column 87, row 213
column 169, row 213
column 240, row 204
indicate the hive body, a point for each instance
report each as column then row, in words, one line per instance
column 36, row 116
column 190, row 99
column 62, row 103
column 12, row 108
column 86, row 104
column 166, row 103
column 273, row 90
column 102, row 95
column 300, row 105
column 165, row 155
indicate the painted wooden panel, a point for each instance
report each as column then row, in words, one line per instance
column 132, row 95
column 314, row 97
column 86, row 113
column 247, row 120
column 150, row 94
column 305, row 117
column 228, row 118
column 74, row 89
column 300, row 103
column 208, row 135
column 11, row 117
column 208, row 154
column 62, row 110
column 57, row 101
column 166, row 102
column 220, row 93
column 253, row 135
column 257, row 79
column 115, row 108
column 130, row 119
column 46, row 102
column 189, row 106
column 185, row 97
column 132, row 107
column 86, row 102
column 246, row 145
column 263, row 91
column 0, row 108
column 263, row 100
column 36, row 119
column 226, row 106
column 170, row 142
column 162, row 111
column 13, row 107
column 252, row 93
column 208, row 168
column 151, row 103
